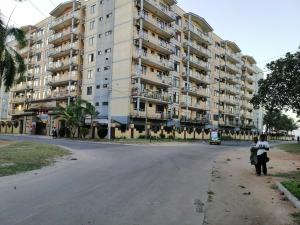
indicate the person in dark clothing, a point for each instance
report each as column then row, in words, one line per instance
column 253, row 153
column 262, row 147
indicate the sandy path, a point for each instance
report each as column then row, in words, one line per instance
column 240, row 197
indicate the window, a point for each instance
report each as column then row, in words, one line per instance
column 92, row 9
column 100, row 18
column 99, row 52
column 107, row 33
column 107, row 68
column 91, row 41
column 98, row 86
column 90, row 74
column 101, row 2
column 92, row 25
column 91, row 57
column 38, row 57
column 104, row 85
column 159, row 108
column 104, row 103
column 99, row 35
column 108, row 16
column 97, row 104
column 89, row 90
column 108, row 50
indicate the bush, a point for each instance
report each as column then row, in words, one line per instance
column 85, row 131
column 62, row 132
column 102, row 132
column 141, row 136
column 171, row 137
column 162, row 136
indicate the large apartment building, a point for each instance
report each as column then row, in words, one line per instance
column 138, row 62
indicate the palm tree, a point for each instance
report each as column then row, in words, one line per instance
column 11, row 63
column 91, row 111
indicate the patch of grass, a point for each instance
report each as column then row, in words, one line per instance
column 295, row 175
column 291, row 148
column 296, row 217
column 293, row 186
column 25, row 156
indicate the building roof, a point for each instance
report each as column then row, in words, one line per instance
column 249, row 58
column 62, row 7
column 200, row 20
column 233, row 46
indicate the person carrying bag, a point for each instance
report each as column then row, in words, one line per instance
column 262, row 147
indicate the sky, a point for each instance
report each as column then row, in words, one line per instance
column 265, row 29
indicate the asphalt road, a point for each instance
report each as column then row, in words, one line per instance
column 112, row 184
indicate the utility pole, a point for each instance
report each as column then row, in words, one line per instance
column 109, row 111
column 71, row 52
column 188, row 66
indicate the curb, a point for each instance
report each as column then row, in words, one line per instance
column 289, row 195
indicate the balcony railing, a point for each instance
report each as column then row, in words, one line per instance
column 198, row 48
column 61, row 65
column 143, row 114
column 162, row 45
column 163, row 64
column 197, row 63
column 157, row 79
column 59, row 50
column 203, row 36
column 197, row 77
column 63, row 18
column 166, row 13
column 195, row 91
column 163, row 97
column 163, row 29
column 56, row 36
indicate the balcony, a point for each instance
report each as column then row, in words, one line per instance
column 61, row 65
column 152, row 96
column 157, row 80
column 62, row 80
column 249, row 68
column 197, row 63
column 231, row 79
column 153, row 116
column 162, row 12
column 196, row 106
column 246, row 105
column 197, row 49
column 16, row 112
column 62, row 51
column 155, row 61
column 59, row 38
column 154, row 43
column 233, row 57
column 232, row 68
column 153, row 25
column 197, row 34
column 18, row 99
column 22, row 87
column 228, row 101
column 194, row 91
column 63, row 94
column 63, row 21
column 196, row 77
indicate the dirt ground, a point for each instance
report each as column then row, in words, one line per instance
column 237, row 196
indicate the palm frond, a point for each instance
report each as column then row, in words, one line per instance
column 9, row 71
column 18, row 34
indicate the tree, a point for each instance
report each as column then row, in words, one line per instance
column 91, row 111
column 11, row 63
column 75, row 113
column 280, row 90
column 276, row 121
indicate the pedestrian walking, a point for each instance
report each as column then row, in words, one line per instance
column 262, row 147
column 253, row 152
column 54, row 132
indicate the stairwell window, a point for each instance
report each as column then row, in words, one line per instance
column 90, row 74
column 91, row 57
column 92, row 25
column 89, row 90
column 92, row 9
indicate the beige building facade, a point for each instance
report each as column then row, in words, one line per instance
column 143, row 62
